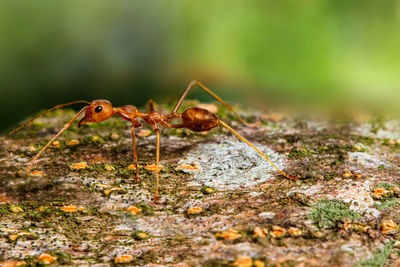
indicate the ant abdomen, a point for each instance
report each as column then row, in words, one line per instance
column 199, row 119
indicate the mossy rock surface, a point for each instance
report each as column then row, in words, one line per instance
column 328, row 217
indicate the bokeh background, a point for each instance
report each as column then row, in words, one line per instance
column 317, row 52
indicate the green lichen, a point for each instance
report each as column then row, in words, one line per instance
column 379, row 257
column 326, row 213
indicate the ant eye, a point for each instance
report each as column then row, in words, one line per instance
column 98, row 109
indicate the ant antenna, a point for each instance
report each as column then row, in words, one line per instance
column 66, row 126
column 256, row 149
column 45, row 112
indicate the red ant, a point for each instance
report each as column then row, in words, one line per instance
column 193, row 118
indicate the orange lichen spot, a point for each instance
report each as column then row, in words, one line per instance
column 260, row 232
column 81, row 208
column 31, row 148
column 41, row 209
column 388, row 227
column 188, row 167
column 70, row 208
column 293, row 231
column 123, row 259
column 194, row 210
column 45, row 259
column 107, row 191
column 258, row 263
column 243, row 261
column 114, row 136
column 272, row 117
column 228, row 235
column 153, row 167
column 379, row 192
column 13, row 237
column 16, row 209
column 73, row 142
column 210, row 107
column 55, row 144
column 277, row 231
column 108, row 167
column 133, row 210
column 348, row 174
column 132, row 167
column 36, row 173
column 12, row 263
column 79, row 166
column 144, row 133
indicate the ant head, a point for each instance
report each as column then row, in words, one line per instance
column 98, row 110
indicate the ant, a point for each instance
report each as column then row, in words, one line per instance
column 193, row 118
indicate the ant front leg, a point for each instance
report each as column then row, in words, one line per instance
column 157, row 130
column 135, row 157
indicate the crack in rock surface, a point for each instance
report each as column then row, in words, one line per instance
column 232, row 164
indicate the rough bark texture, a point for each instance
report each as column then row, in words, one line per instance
column 336, row 214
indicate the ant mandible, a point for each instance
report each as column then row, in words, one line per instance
column 193, row 118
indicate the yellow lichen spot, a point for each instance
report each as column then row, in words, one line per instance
column 388, row 227
column 79, row 166
column 188, row 167
column 144, row 133
column 277, row 231
column 36, row 173
column 243, row 262
column 114, row 136
column 133, row 210
column 16, row 209
column 228, row 235
column 108, row 167
column 41, row 209
column 70, row 208
column 260, row 232
column 293, row 231
column 348, row 174
column 210, row 107
column 142, row 235
column 194, row 210
column 123, row 259
column 379, row 192
column 45, row 259
column 73, row 142
column 96, row 138
column 258, row 263
column 153, row 167
column 55, row 144
column 12, row 263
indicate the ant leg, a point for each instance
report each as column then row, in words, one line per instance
column 151, row 106
column 256, row 149
column 157, row 130
column 44, row 112
column 135, row 157
column 202, row 86
column 66, row 126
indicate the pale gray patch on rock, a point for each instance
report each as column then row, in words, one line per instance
column 232, row 164
column 367, row 160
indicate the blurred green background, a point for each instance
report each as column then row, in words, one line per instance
column 314, row 52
